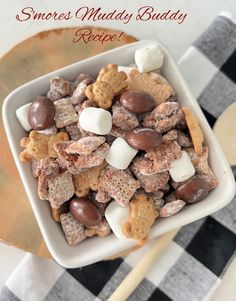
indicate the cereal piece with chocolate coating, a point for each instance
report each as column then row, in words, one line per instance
column 73, row 131
column 201, row 166
column 67, row 160
column 85, row 146
column 159, row 203
column 117, row 132
column 102, row 197
column 148, row 121
column 183, row 139
column 144, row 82
column 84, row 76
column 151, row 183
column 194, row 130
column 170, row 197
column 60, row 88
column 74, row 231
column 60, row 148
column 156, row 195
column 102, row 230
column 166, row 124
column 101, row 206
column 43, row 187
column 78, row 95
column 170, row 136
column 200, row 163
column 34, row 165
column 101, row 93
column 117, row 184
column 116, row 79
column 164, row 155
column 122, row 118
column 85, row 104
column 171, row 208
column 47, row 167
column 94, row 159
column 65, row 113
column 210, row 178
column 144, row 166
column 164, row 117
column 142, row 216
column 60, row 189
column 164, row 110
column 81, row 84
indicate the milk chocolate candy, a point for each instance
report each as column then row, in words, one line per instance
column 85, row 212
column 143, row 138
column 193, row 191
column 137, row 101
column 41, row 113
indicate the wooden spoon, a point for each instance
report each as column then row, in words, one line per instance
column 225, row 132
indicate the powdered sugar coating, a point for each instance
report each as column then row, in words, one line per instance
column 85, row 146
column 65, row 113
column 164, row 155
column 171, row 208
column 151, row 183
column 60, row 189
column 122, row 118
column 73, row 131
column 81, row 84
column 94, row 159
column 60, row 88
column 74, row 231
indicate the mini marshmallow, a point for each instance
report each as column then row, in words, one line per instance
column 120, row 154
column 96, row 120
column 149, row 58
column 182, row 169
column 115, row 216
column 22, row 115
column 125, row 69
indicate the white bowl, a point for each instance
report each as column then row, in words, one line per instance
column 95, row 249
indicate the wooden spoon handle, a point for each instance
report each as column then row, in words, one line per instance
column 132, row 280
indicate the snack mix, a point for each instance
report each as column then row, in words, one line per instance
column 117, row 152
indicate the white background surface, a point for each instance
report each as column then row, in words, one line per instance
column 176, row 37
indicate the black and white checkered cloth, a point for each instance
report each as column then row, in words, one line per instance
column 193, row 265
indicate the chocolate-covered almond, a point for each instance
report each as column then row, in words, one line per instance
column 143, row 138
column 85, row 212
column 41, row 113
column 137, row 101
column 193, row 191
